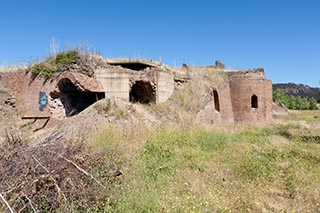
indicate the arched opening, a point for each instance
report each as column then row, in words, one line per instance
column 254, row 102
column 142, row 92
column 74, row 100
column 216, row 100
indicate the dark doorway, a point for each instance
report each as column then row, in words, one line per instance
column 254, row 102
column 216, row 100
column 74, row 100
column 142, row 92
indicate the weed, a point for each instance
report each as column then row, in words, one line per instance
column 120, row 113
column 104, row 107
column 197, row 166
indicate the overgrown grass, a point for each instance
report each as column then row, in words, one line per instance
column 170, row 168
column 208, row 170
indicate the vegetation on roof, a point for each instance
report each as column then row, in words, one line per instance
column 55, row 63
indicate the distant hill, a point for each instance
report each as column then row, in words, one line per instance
column 299, row 90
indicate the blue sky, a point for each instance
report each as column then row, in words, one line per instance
column 282, row 36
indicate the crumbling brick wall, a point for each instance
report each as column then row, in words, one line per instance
column 31, row 92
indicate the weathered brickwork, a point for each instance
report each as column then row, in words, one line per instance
column 244, row 86
column 238, row 96
column 28, row 90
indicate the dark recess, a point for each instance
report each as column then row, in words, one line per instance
column 142, row 92
column 132, row 65
column 254, row 102
column 216, row 100
column 74, row 100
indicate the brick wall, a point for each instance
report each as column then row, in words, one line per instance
column 242, row 90
column 27, row 89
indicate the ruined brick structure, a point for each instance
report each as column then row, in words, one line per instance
column 251, row 95
column 239, row 96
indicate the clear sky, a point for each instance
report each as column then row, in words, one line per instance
column 282, row 36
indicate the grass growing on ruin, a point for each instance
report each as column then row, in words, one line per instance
column 248, row 169
column 54, row 64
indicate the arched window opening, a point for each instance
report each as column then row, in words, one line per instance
column 216, row 100
column 254, row 102
column 142, row 92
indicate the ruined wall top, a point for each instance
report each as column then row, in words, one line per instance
column 257, row 74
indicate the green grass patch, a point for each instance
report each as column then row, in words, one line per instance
column 310, row 116
column 257, row 165
column 54, row 64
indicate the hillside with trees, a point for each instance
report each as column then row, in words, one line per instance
column 303, row 91
column 294, row 102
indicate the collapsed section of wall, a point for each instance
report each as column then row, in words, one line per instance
column 73, row 93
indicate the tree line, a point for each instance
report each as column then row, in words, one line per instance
column 294, row 102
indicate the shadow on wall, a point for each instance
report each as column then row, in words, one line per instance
column 74, row 101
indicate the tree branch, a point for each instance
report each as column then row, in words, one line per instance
column 7, row 204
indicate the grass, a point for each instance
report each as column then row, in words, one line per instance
column 208, row 170
column 180, row 166
column 54, row 64
column 310, row 116
column 170, row 168
column 104, row 107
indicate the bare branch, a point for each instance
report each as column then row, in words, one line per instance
column 7, row 204
column 30, row 202
column 82, row 170
column 54, row 181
